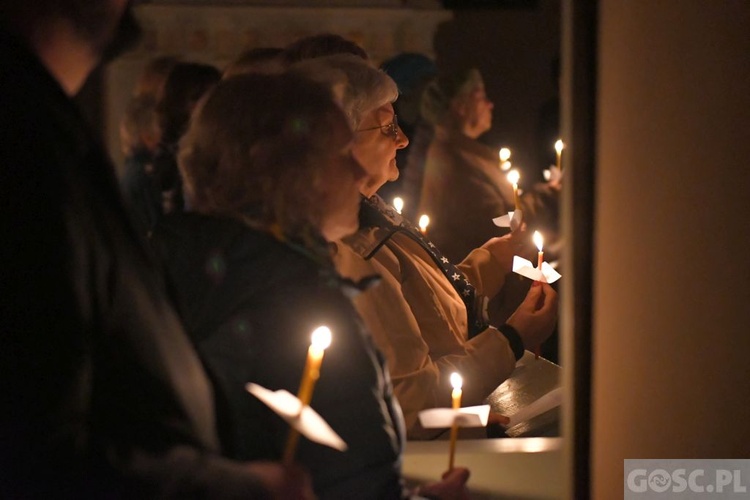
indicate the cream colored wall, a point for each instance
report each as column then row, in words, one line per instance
column 671, row 375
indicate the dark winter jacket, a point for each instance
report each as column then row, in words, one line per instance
column 251, row 302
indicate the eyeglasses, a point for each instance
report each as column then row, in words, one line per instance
column 389, row 129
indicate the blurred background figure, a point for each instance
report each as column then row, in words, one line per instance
column 185, row 85
column 411, row 72
column 139, row 138
column 463, row 188
column 103, row 394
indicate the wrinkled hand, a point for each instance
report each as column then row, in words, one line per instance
column 503, row 248
column 535, row 318
column 452, row 487
column 283, row 482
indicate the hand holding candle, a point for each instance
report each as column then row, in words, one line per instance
column 424, row 221
column 321, row 339
column 457, row 383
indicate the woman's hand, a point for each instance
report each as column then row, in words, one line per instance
column 503, row 248
column 452, row 487
column 283, row 482
column 536, row 317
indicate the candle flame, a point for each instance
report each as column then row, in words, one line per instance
column 538, row 240
column 559, row 146
column 505, row 166
column 547, row 174
column 398, row 204
column 456, row 380
column 513, row 176
column 424, row 221
column 321, row 337
column 504, row 154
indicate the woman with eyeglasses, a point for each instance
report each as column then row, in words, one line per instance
column 427, row 315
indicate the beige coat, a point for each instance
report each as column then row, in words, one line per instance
column 419, row 322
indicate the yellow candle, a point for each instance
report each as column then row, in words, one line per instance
column 457, row 383
column 398, row 204
column 424, row 221
column 559, row 146
column 539, row 242
column 321, row 339
column 513, row 178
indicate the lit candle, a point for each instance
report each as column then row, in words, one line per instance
column 457, row 383
column 513, row 177
column 504, row 155
column 539, row 242
column 321, row 339
column 559, row 146
column 398, row 204
column 424, row 221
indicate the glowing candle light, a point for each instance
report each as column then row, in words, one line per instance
column 457, row 383
column 398, row 204
column 321, row 339
column 539, row 242
column 504, row 155
column 424, row 221
column 513, row 177
column 559, row 146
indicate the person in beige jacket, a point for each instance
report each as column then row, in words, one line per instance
column 459, row 168
column 426, row 315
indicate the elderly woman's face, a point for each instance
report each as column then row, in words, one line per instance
column 375, row 148
column 344, row 178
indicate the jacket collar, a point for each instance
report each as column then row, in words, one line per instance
column 379, row 222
